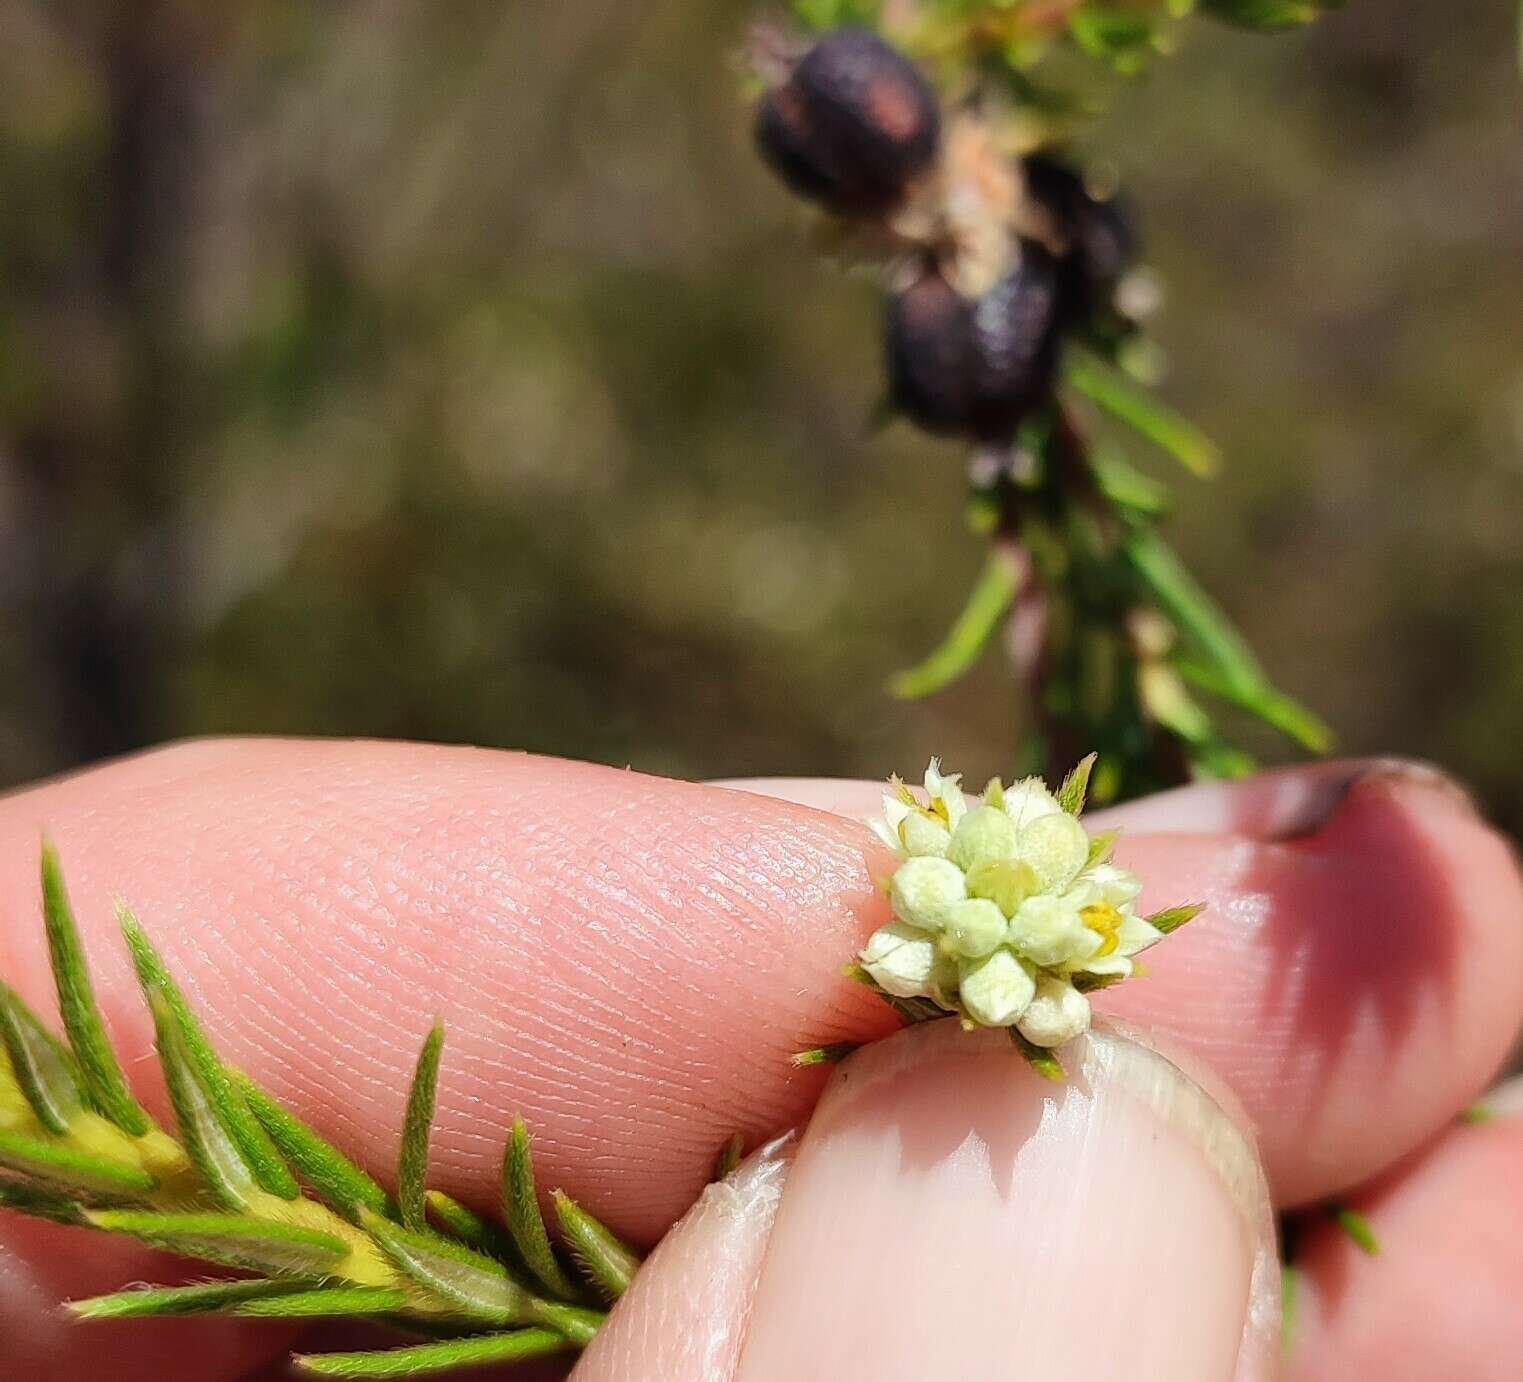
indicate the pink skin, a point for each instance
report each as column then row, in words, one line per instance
column 629, row 961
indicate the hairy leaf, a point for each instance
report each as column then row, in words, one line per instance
column 412, row 1176
column 256, row 1149
column 233, row 1240
column 99, row 1069
column 608, row 1261
column 577, row 1323
column 525, row 1222
column 327, row 1170
column 211, row 1146
column 155, row 1302
column 471, row 1229
column 451, row 1275
column 40, row 1202
column 424, row 1360
column 43, row 1068
column 69, row 1168
column 328, row 1302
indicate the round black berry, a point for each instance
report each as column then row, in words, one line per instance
column 852, row 125
column 927, row 339
column 1099, row 235
column 975, row 367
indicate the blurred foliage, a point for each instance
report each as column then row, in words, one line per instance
column 458, row 373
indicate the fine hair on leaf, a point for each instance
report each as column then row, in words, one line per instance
column 160, row 1302
column 424, row 1360
column 99, row 1069
column 212, row 1078
column 339, row 1182
column 42, row 1067
column 525, row 1222
column 608, row 1261
column 412, row 1174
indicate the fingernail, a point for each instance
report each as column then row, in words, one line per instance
column 683, row 1317
column 950, row 1214
column 1437, row 787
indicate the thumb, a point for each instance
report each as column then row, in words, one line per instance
column 950, row 1214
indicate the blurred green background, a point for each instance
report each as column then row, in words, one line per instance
column 454, row 371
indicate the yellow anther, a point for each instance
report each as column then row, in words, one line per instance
column 1105, row 921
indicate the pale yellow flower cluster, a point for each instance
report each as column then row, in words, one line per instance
column 1005, row 911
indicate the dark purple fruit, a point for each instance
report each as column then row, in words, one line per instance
column 975, row 367
column 927, row 336
column 1100, row 238
column 852, row 125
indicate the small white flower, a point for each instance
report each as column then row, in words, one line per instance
column 973, row 928
column 1115, row 885
column 1027, row 801
column 946, row 789
column 1057, row 1013
column 1050, row 931
column 1121, row 934
column 1056, row 847
column 923, row 888
column 1005, row 882
column 901, row 960
column 983, row 836
column 996, row 991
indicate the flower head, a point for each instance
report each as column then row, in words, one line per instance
column 1006, row 911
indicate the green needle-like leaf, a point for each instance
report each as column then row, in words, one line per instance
column 1128, row 488
column 326, row 1169
column 98, row 1067
column 1040, row 1058
column 40, row 1202
column 578, row 1324
column 609, row 1262
column 42, row 1067
column 1075, row 787
column 209, row 1143
column 1273, row 707
column 67, row 1168
column 470, row 1228
column 425, row 1360
column 1172, row 918
column 451, row 1274
column 258, row 1245
column 970, row 632
column 1357, row 1227
column 735, row 1147
column 525, row 1223
column 833, row 1054
column 330, row 1302
column 413, row 1174
column 156, row 1302
column 1197, row 616
column 1132, row 404
column 258, row 1152
column 1290, row 1299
